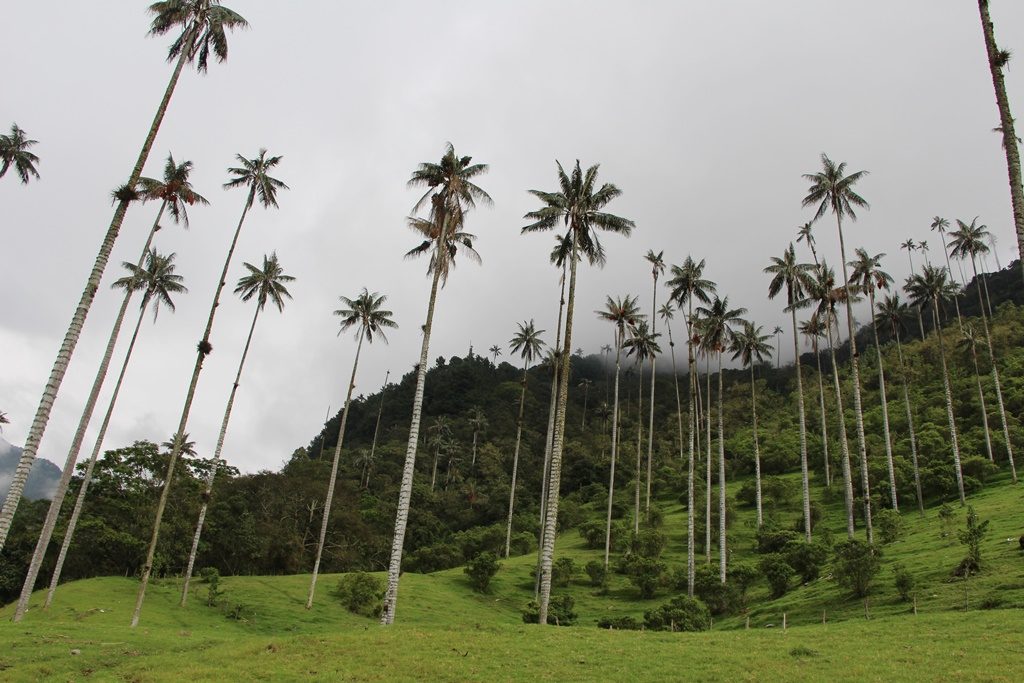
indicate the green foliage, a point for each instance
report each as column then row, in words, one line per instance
column 946, row 517
column 211, row 577
column 681, row 613
column 593, row 531
column 708, row 586
column 647, row 574
column 772, row 538
column 904, row 581
column 560, row 611
column 598, row 573
column 361, row 593
column 855, row 566
column 619, row 623
column 806, row 559
column 562, row 570
column 778, row 573
column 481, row 569
column 648, row 543
column 972, row 536
column 742, row 577
column 889, row 525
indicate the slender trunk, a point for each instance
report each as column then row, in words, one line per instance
column 721, row 478
column 515, row 460
column 824, row 415
column 843, row 441
column 586, row 395
column 615, row 450
column 757, row 448
column 981, row 403
column 885, row 408
column 910, row 424
column 67, row 347
column 949, row 269
column 387, row 616
column 805, row 478
column 857, row 404
column 53, row 513
column 69, row 533
column 557, row 446
column 639, row 442
column 376, row 428
column 208, row 489
column 433, row 474
column 691, row 564
column 995, row 377
column 1007, row 124
column 689, row 485
column 650, row 422
column 203, row 349
column 949, row 413
column 473, row 461
column 708, row 465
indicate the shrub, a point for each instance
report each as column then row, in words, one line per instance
column 619, row 623
column 905, row 582
column 522, row 543
column 741, row 578
column 889, row 523
column 806, row 559
column 798, row 525
column 855, row 566
column 481, row 569
column 679, row 614
column 777, row 571
column 655, row 517
column 646, row 574
column 211, row 576
column 991, row 601
column 946, row 516
column 648, row 543
column 978, row 468
column 562, row 570
column 708, row 586
column 361, row 593
column 772, row 538
column 559, row 611
column 971, row 537
column 598, row 573
column 569, row 514
column 592, row 532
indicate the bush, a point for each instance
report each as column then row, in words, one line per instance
column 708, row 586
column 593, row 533
column 655, row 517
column 559, row 611
column 741, row 578
column 806, row 559
column 972, row 537
column 648, row 543
column 905, row 582
column 598, row 573
column 946, row 516
column 679, row 614
column 619, row 623
column 889, row 523
column 481, row 569
column 978, row 468
column 562, row 570
column 777, row 571
column 816, row 512
column 361, row 593
column 522, row 543
column 646, row 574
column 211, row 576
column 855, row 566
column 772, row 538
column 569, row 514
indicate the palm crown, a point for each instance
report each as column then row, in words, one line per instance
column 795, row 277
column 832, row 190
column 750, row 345
column 688, row 283
column 366, row 314
column 175, row 189
column 202, row 24
column 930, row 286
column 255, row 174
column 717, row 320
column 14, row 152
column 892, row 312
column 266, row 283
column 624, row 313
column 657, row 262
column 967, row 241
column 527, row 342
column 156, row 279
column 867, row 273
column 642, row 343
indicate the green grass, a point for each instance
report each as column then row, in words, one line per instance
column 444, row 631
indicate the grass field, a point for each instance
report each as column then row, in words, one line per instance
column 444, row 631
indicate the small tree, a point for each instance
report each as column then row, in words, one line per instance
column 598, row 574
column 946, row 516
column 648, row 543
column 361, row 593
column 742, row 577
column 889, row 523
column 646, row 574
column 481, row 569
column 972, row 537
column 562, row 570
column 855, row 566
column 679, row 614
column 211, row 577
column 806, row 558
column 560, row 611
column 777, row 571
column 905, row 583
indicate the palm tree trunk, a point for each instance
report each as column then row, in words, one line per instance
column 515, row 460
column 69, row 533
column 721, row 478
column 586, row 395
column 805, row 478
column 857, row 405
column 203, row 350
column 639, row 442
column 92, row 285
column 949, row 413
column 981, row 403
column 650, row 422
column 824, row 415
column 53, row 513
column 708, row 465
column 843, row 441
column 1007, row 124
column 885, row 408
column 757, row 448
column 433, row 474
column 995, row 376
column 557, row 445
column 387, row 616
column 376, row 428
column 208, row 489
column 691, row 564
column 615, row 451
column 949, row 269
column 910, row 424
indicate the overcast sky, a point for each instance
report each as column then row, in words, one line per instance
column 704, row 114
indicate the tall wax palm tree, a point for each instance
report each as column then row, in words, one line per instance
column 585, row 385
column 719, row 321
column 893, row 312
column 368, row 317
column 266, row 283
column 157, row 282
column 528, row 344
column 643, row 345
column 203, row 24
column 478, row 421
column 254, row 174
column 911, row 246
column 832, row 190
column 778, row 342
column 578, row 204
column 813, row 330
column 624, row 314
column 657, row 262
column 997, row 61
column 440, row 438
column 666, row 313
column 495, row 351
column 687, row 284
column 450, row 193
column 795, row 278
column 606, row 351
column 941, row 225
column 750, row 346
column 805, row 234
column 968, row 242
column 175, row 194
column 376, row 431
column 932, row 286
column 969, row 345
column 869, row 277
column 14, row 152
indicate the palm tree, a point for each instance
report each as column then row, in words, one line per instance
column 175, row 194
column 868, row 276
column 203, row 24
column 805, row 234
column 657, row 262
column 997, row 60
column 624, row 314
column 941, row 225
column 687, row 284
column 450, row 193
column 719, row 320
column 585, row 385
column 579, row 205
column 796, row 279
column 666, row 313
column 478, row 421
column 254, row 174
column 969, row 241
column 932, row 286
column 3, row 420
column 264, row 284
column 440, row 439
column 911, row 246
column 157, row 281
column 778, row 345
column 644, row 345
column 893, row 312
column 749, row 346
column 969, row 345
column 813, row 330
column 832, row 190
column 14, row 152
column 376, row 430
column 495, row 351
column 365, row 313
column 527, row 342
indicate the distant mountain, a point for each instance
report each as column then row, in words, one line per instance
column 42, row 480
